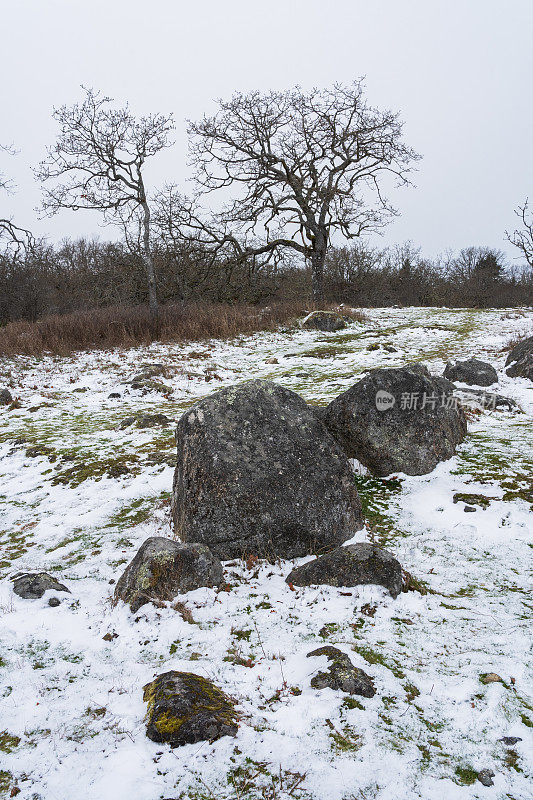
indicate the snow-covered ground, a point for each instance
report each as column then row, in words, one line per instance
column 71, row 709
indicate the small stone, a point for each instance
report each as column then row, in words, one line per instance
column 114, row 396
column 5, row 397
column 510, row 741
column 491, row 677
column 32, row 586
column 469, row 509
column 54, row 602
column 272, row 360
column 353, row 565
column 342, row 674
column 485, row 777
column 184, row 708
column 110, row 636
column 473, row 372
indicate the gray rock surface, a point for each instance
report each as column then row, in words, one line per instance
column 5, row 397
column 184, row 708
column 485, row 777
column 32, row 585
column 519, row 363
column 398, row 420
column 323, row 321
column 258, row 473
column 162, row 568
column 352, row 565
column 342, row 674
column 473, row 372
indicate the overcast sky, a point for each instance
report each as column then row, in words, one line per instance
column 459, row 71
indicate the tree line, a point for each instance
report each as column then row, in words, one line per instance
column 82, row 274
column 295, row 172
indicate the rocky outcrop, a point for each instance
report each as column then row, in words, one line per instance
column 473, row 372
column 342, row 674
column 519, row 363
column 32, row 585
column 5, row 397
column 323, row 321
column 353, row 565
column 398, row 420
column 163, row 568
column 184, row 708
column 258, row 473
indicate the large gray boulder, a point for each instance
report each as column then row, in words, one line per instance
column 519, row 363
column 32, row 585
column 342, row 674
column 162, row 568
column 353, row 565
column 398, row 420
column 5, row 397
column 473, row 372
column 184, row 708
column 258, row 473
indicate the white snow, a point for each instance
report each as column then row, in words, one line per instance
column 75, row 699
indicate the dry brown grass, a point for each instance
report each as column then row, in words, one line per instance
column 118, row 326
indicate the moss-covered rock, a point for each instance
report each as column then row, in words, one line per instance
column 342, row 674
column 184, row 708
column 163, row 568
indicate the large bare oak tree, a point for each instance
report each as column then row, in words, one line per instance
column 297, row 167
column 98, row 163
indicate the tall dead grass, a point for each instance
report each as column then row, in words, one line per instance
column 119, row 326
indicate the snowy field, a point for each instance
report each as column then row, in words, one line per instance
column 79, row 494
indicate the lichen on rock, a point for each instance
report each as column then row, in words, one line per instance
column 162, row 568
column 342, row 674
column 184, row 708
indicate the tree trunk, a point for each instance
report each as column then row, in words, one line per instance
column 149, row 261
column 318, row 258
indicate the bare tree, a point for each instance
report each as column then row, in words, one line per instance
column 16, row 239
column 98, row 162
column 303, row 165
column 522, row 238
